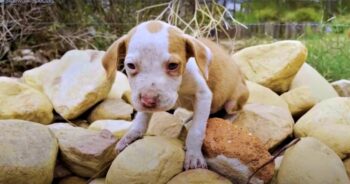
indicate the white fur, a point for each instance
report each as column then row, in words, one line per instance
column 201, row 106
column 150, row 51
column 137, row 130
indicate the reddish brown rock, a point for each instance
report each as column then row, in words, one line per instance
column 235, row 153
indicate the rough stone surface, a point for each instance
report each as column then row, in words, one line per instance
column 85, row 152
column 328, row 121
column 73, row 180
column 98, row 181
column 271, row 124
column 235, row 153
column 112, row 108
column 183, row 114
column 60, row 170
column 336, row 136
column 20, row 101
column 28, row 153
column 299, row 100
column 149, row 160
column 164, row 124
column 308, row 76
column 272, row 65
column 58, row 126
column 263, row 95
column 312, row 162
column 117, row 127
column 120, row 86
column 342, row 87
column 72, row 92
column 199, row 176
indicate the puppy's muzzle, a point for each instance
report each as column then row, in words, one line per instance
column 149, row 100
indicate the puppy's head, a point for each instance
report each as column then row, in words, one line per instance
column 155, row 54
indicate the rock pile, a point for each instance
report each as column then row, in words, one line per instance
column 38, row 148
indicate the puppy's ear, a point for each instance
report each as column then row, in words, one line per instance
column 113, row 55
column 196, row 49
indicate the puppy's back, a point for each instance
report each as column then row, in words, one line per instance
column 225, row 79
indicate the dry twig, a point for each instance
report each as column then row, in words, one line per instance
column 206, row 18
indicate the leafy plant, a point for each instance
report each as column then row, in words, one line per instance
column 267, row 14
column 341, row 23
column 303, row 15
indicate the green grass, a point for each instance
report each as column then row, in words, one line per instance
column 329, row 54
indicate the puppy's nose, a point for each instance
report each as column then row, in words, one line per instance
column 149, row 100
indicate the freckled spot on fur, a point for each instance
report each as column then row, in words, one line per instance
column 177, row 46
column 56, row 81
column 154, row 26
column 94, row 56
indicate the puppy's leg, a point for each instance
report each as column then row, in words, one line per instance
column 194, row 157
column 235, row 104
column 137, row 130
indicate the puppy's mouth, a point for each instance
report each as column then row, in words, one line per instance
column 154, row 108
column 153, row 103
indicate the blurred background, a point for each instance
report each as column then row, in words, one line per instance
column 33, row 32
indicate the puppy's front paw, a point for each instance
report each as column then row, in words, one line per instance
column 194, row 160
column 126, row 140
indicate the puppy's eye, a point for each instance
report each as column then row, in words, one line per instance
column 131, row 66
column 172, row 66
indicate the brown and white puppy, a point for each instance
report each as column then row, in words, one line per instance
column 168, row 69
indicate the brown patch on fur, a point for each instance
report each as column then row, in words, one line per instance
column 93, row 56
column 115, row 53
column 177, row 47
column 195, row 49
column 154, row 26
column 225, row 79
column 56, row 81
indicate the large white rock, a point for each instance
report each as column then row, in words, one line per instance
column 112, row 108
column 149, row 160
column 85, row 152
column 328, row 121
column 74, row 83
column 98, row 181
column 117, row 127
column 199, row 176
column 28, row 153
column 308, row 76
column 165, row 124
column 331, row 111
column 299, row 100
column 311, row 162
column 335, row 136
column 20, row 101
column 263, row 95
column 271, row 124
column 342, row 87
column 183, row 114
column 59, row 126
column 272, row 65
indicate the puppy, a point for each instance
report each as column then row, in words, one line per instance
column 168, row 69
